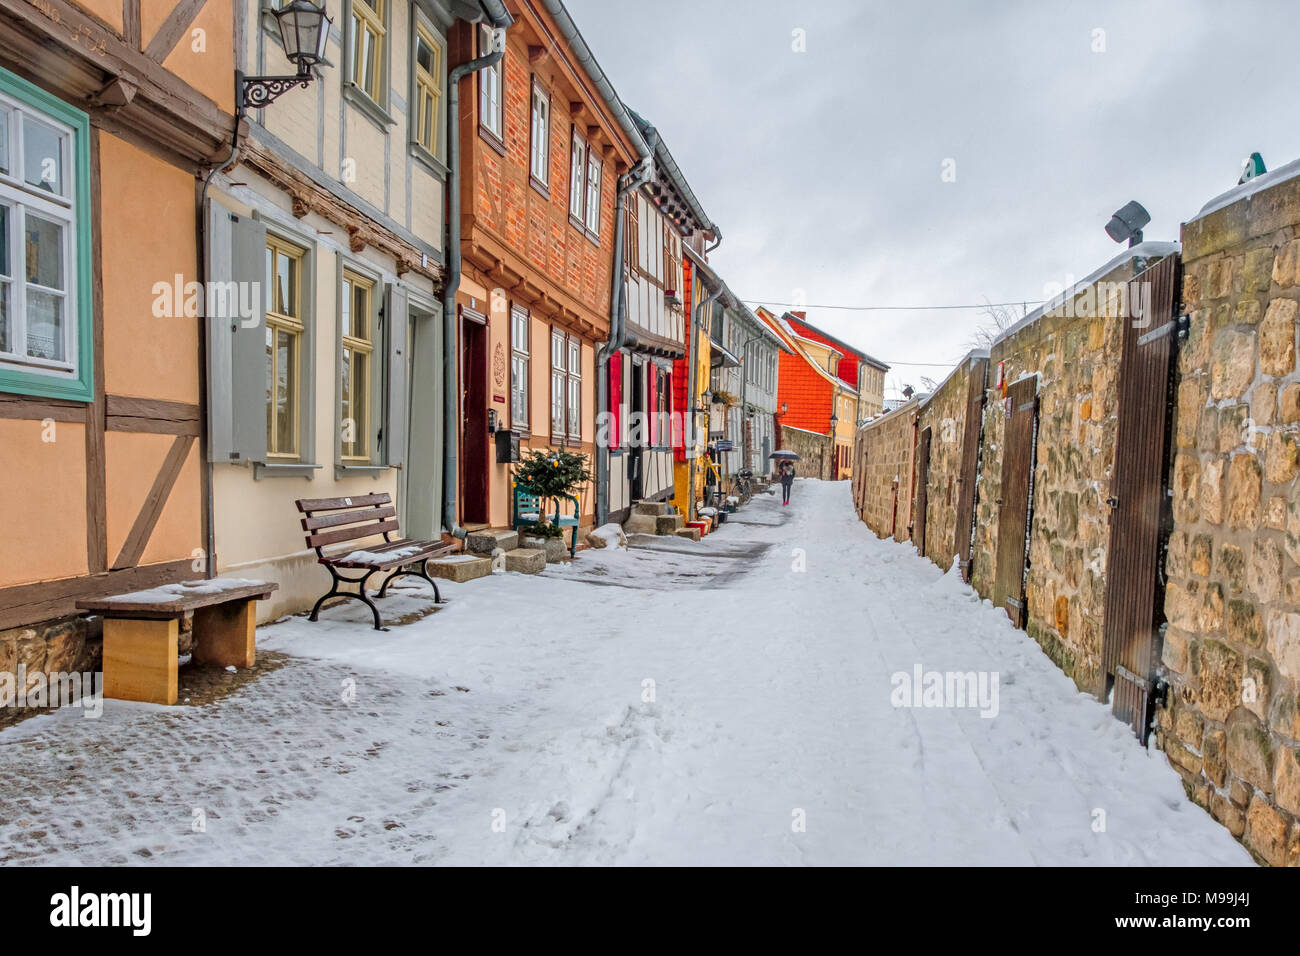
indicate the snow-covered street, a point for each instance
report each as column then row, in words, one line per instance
column 740, row 710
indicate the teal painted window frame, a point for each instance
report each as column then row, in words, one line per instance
column 80, row 388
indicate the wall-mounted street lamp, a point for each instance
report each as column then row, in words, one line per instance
column 304, row 33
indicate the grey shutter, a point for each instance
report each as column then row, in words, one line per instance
column 249, row 376
column 219, row 338
column 396, row 325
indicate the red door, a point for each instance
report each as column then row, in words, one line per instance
column 474, row 409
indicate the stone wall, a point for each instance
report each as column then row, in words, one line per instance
column 1074, row 350
column 944, row 413
column 1232, row 644
column 884, row 456
column 64, row 646
column 813, row 449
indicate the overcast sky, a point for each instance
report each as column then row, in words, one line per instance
column 823, row 168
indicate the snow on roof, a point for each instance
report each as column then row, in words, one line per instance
column 1249, row 188
column 963, row 362
column 1140, row 251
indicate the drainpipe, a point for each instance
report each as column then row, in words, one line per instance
column 617, row 311
column 451, row 280
column 696, row 313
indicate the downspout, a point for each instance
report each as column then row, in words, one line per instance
column 690, row 389
column 451, row 283
column 617, row 312
column 209, row 505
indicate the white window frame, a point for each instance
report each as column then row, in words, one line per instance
column 520, row 360
column 21, row 200
column 491, row 88
column 539, row 140
column 591, row 220
column 578, row 179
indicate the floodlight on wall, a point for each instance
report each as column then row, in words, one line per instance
column 304, row 33
column 1127, row 223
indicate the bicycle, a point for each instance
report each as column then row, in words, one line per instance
column 742, row 487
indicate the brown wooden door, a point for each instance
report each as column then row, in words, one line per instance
column 970, row 464
column 922, row 488
column 1021, row 411
column 1138, row 501
column 474, row 430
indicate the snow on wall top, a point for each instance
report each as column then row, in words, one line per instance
column 1141, row 250
column 963, row 363
column 1249, row 188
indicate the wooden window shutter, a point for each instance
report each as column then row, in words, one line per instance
column 237, row 369
column 395, row 334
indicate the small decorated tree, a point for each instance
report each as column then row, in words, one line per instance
column 550, row 475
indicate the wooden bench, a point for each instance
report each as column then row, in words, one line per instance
column 530, row 511
column 331, row 521
column 141, row 631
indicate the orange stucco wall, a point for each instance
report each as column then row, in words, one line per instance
column 43, row 508
column 204, row 57
column 147, row 220
column 132, row 461
column 110, row 11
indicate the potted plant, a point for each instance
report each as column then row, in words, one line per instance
column 546, row 537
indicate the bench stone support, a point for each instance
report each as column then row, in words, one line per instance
column 140, row 660
column 225, row 634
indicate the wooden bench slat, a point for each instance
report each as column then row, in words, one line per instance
column 347, row 517
column 150, row 604
column 428, row 549
column 354, row 533
column 309, row 505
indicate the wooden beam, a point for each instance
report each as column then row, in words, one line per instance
column 45, row 600
column 96, row 468
column 131, row 23
column 134, row 545
column 157, row 408
column 172, row 29
column 36, row 409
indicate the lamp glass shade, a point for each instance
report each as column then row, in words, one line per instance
column 304, row 32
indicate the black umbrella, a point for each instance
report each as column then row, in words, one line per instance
column 785, row 455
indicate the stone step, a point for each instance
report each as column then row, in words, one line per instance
column 692, row 533
column 641, row 524
column 486, row 541
column 650, row 508
column 526, row 560
column 668, row 524
column 460, row 567
column 555, row 549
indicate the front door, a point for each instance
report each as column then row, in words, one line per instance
column 970, row 466
column 474, row 409
column 1021, row 411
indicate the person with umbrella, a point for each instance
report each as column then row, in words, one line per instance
column 785, row 470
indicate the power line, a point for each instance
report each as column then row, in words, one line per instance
column 894, row 308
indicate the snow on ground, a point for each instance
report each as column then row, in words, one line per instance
column 518, row 724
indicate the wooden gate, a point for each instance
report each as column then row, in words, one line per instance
column 970, row 464
column 922, row 486
column 1139, row 502
column 1021, row 411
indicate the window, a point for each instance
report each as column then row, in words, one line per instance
column 575, row 389
column 539, row 161
column 633, row 238
column 490, row 85
column 357, row 366
column 368, row 47
column 566, row 386
column 578, row 179
column 44, row 244
column 284, row 339
column 594, row 170
column 519, row 356
column 428, row 89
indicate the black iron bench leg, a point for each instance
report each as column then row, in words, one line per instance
column 360, row 596
column 422, row 572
